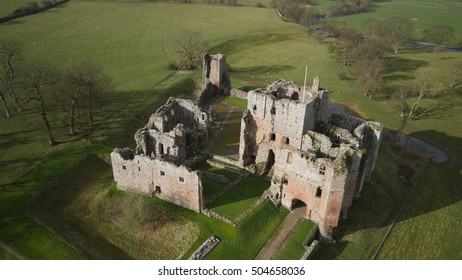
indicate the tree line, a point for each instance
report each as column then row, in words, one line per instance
column 365, row 55
column 40, row 87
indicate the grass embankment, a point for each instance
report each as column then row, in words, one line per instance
column 18, row 229
column 298, row 239
column 250, row 235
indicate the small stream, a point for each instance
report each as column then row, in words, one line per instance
column 439, row 156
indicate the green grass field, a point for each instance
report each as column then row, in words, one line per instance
column 260, row 49
column 8, row 6
column 424, row 13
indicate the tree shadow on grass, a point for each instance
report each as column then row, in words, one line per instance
column 399, row 64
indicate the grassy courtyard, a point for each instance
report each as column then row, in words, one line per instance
column 234, row 202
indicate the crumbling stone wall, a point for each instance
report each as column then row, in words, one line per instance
column 171, row 135
column 315, row 158
column 175, row 131
column 215, row 79
column 152, row 176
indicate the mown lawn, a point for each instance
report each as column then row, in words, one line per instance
column 8, row 6
column 424, row 13
column 234, row 202
column 295, row 246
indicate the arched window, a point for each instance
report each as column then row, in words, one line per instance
column 289, row 157
column 272, row 136
column 254, row 108
column 318, row 192
column 322, row 169
column 287, row 141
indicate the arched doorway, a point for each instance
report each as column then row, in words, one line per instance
column 296, row 203
column 300, row 208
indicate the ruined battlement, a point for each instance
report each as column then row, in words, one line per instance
column 175, row 130
column 313, row 157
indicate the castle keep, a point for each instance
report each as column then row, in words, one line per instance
column 314, row 158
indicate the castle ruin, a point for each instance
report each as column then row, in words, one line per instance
column 314, row 158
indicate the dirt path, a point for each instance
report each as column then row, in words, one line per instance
column 276, row 242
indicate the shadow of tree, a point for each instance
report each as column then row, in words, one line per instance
column 399, row 64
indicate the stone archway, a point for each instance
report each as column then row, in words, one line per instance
column 300, row 207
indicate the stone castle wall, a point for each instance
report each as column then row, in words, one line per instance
column 152, row 176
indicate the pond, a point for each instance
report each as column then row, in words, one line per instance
column 438, row 155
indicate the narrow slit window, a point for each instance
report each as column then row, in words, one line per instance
column 318, row 192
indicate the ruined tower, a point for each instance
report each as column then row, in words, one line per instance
column 215, row 79
column 314, row 158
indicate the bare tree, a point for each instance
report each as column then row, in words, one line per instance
column 455, row 74
column 186, row 49
column 73, row 87
column 370, row 48
column 345, row 45
column 94, row 81
column 310, row 18
column 397, row 31
column 439, row 35
column 415, row 111
column 5, row 106
column 39, row 78
column 369, row 75
column 10, row 53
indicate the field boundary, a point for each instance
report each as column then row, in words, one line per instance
column 39, row 10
